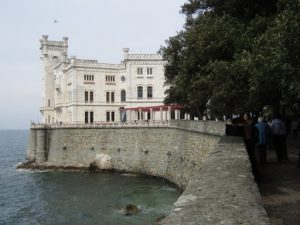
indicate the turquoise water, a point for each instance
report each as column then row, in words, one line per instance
column 58, row 198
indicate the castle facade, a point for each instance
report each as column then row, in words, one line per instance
column 86, row 91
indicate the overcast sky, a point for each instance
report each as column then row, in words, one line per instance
column 97, row 29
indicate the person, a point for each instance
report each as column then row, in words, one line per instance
column 278, row 132
column 294, row 127
column 263, row 131
column 284, row 132
column 250, row 143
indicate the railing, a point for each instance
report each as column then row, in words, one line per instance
column 144, row 56
column 102, row 124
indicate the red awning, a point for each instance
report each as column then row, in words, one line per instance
column 154, row 108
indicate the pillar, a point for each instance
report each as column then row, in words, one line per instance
column 140, row 114
column 161, row 113
column 166, row 114
column 151, row 114
column 176, row 114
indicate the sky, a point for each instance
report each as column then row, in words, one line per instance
column 97, row 29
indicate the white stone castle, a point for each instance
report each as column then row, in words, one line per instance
column 86, row 91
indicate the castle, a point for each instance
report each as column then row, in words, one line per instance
column 195, row 155
column 86, row 91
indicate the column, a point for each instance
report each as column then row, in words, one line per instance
column 130, row 118
column 169, row 112
column 151, row 114
column 161, row 113
column 166, row 114
column 176, row 114
column 140, row 114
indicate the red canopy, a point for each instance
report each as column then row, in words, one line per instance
column 154, row 108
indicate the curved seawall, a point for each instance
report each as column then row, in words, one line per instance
column 213, row 170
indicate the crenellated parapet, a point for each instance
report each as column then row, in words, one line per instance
column 138, row 57
column 91, row 63
column 53, row 47
column 144, row 57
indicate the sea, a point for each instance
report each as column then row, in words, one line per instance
column 71, row 198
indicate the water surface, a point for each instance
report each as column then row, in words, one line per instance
column 52, row 198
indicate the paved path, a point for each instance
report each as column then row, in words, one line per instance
column 280, row 186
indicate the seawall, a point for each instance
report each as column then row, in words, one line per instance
column 213, row 170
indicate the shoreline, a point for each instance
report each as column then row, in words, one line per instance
column 31, row 166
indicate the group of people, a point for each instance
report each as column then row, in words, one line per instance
column 258, row 135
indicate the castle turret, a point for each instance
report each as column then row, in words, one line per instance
column 52, row 53
column 126, row 51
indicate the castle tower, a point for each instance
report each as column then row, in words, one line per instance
column 52, row 53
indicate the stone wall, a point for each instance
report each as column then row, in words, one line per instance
column 170, row 153
column 222, row 192
column 207, row 127
column 213, row 169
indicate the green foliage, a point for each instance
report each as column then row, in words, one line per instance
column 235, row 56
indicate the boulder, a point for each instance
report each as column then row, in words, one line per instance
column 130, row 210
column 103, row 162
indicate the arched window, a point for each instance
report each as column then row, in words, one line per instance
column 140, row 92
column 91, row 96
column 91, row 117
column 123, row 96
column 149, row 92
column 112, row 99
column 86, row 117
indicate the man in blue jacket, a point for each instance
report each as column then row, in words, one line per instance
column 263, row 132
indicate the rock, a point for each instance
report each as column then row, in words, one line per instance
column 130, row 210
column 103, row 162
column 93, row 167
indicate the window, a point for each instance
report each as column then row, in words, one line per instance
column 48, row 102
column 149, row 92
column 140, row 71
column 112, row 116
column 107, row 96
column 86, row 117
column 112, row 96
column 91, row 117
column 140, row 92
column 91, row 96
column 123, row 96
column 86, row 96
column 88, row 77
column 107, row 116
column 110, row 79
column 149, row 70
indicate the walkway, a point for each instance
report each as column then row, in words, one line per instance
column 280, row 186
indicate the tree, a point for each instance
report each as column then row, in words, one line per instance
column 235, row 56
